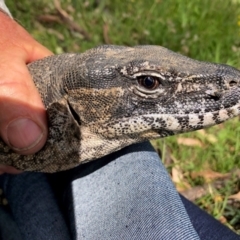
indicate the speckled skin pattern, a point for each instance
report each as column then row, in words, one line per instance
column 112, row 96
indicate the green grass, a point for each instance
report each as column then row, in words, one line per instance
column 202, row 29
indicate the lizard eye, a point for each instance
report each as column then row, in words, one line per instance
column 148, row 82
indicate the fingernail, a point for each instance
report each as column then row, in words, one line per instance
column 23, row 134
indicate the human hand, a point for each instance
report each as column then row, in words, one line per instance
column 23, row 122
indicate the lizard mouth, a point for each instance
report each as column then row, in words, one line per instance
column 156, row 125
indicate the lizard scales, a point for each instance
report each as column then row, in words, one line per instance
column 112, row 96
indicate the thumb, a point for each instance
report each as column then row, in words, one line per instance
column 23, row 124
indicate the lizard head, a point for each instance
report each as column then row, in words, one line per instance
column 112, row 96
column 149, row 91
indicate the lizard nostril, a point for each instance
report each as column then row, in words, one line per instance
column 232, row 83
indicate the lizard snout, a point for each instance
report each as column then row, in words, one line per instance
column 232, row 83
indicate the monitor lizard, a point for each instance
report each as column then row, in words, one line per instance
column 112, row 96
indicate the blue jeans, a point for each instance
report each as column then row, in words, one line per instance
column 125, row 195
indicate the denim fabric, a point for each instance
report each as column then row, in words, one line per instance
column 125, row 195
column 34, row 207
column 131, row 197
column 8, row 228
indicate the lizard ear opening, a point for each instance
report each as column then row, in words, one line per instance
column 74, row 114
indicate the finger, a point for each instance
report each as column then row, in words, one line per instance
column 23, row 124
column 36, row 52
column 8, row 169
column 17, row 37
